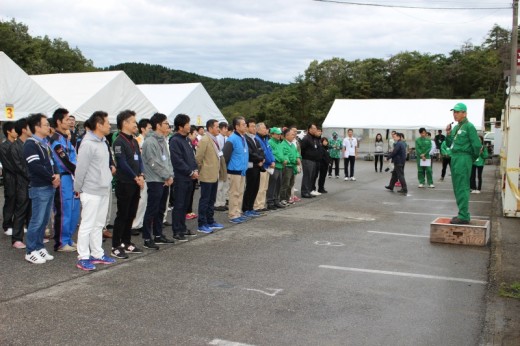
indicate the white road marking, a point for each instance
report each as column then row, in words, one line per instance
column 412, row 275
column 401, row 234
column 328, row 243
column 445, row 200
column 275, row 291
column 410, row 213
column 220, row 342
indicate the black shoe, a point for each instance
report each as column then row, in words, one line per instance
column 137, row 231
column 220, row 208
column 323, row 191
column 307, row 196
column 167, row 224
column 271, row 207
column 279, row 205
column 389, row 188
column 131, row 248
column 119, row 252
column 387, row 169
column 403, row 191
column 163, row 240
column 180, row 237
column 190, row 233
column 150, row 244
column 263, row 210
column 457, row 221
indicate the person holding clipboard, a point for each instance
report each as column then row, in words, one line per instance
column 423, row 146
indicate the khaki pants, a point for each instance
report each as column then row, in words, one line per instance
column 236, row 195
column 262, row 191
column 222, row 193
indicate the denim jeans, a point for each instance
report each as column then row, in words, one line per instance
column 42, row 199
column 182, row 190
column 156, row 205
column 208, row 195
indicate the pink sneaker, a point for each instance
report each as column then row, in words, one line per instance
column 19, row 245
column 296, row 199
column 398, row 183
column 191, row 216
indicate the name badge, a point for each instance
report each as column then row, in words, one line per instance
column 163, row 157
column 315, row 146
column 220, row 153
column 245, row 150
column 136, row 157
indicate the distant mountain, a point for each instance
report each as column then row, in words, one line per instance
column 224, row 91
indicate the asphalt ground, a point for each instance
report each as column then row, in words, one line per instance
column 352, row 267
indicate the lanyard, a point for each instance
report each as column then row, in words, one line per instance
column 129, row 142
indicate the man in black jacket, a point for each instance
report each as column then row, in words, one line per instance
column 310, row 157
column 9, row 177
column 184, row 173
column 256, row 161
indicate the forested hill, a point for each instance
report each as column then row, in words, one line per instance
column 225, row 91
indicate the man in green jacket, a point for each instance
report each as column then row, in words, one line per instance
column 465, row 148
column 275, row 181
column 423, row 146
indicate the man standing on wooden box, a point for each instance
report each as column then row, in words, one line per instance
column 465, row 148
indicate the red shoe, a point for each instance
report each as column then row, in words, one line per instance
column 398, row 183
column 191, row 216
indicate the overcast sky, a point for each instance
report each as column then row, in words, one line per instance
column 268, row 39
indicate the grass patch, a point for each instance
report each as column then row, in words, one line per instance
column 510, row 291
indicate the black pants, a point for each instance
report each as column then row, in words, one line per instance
column 208, row 195
column 476, row 172
column 323, row 175
column 22, row 212
column 398, row 175
column 287, row 177
column 378, row 157
column 273, row 189
column 127, row 195
column 334, row 162
column 252, row 185
column 9, row 200
column 316, row 175
column 349, row 163
column 183, row 194
column 446, row 161
column 155, row 208
column 309, row 171
column 190, row 202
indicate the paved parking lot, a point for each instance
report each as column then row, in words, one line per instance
column 353, row 267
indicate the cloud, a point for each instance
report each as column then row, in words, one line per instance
column 269, row 39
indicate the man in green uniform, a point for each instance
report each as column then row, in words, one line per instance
column 465, row 148
column 423, row 146
column 335, row 145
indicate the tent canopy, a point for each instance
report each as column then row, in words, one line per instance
column 400, row 114
column 84, row 93
column 20, row 91
column 190, row 98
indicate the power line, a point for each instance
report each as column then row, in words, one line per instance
column 413, row 7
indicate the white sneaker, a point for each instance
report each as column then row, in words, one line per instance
column 24, row 230
column 431, row 186
column 315, row 193
column 9, row 231
column 353, row 179
column 34, row 257
column 347, row 179
column 477, row 191
column 45, row 255
column 421, row 186
column 472, row 191
column 337, row 176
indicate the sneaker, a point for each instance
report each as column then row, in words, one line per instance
column 352, row 178
column 398, row 183
column 85, row 264
column 284, row 203
column 162, row 240
column 205, row 229
column 8, row 231
column 441, row 179
column 421, row 186
column 190, row 233
column 236, row 220
column 119, row 252
column 477, row 191
column 330, row 176
column 131, row 248
column 35, row 258
column 150, row 244
column 45, row 240
column 457, row 221
column 296, row 199
column 323, row 191
column 215, row 225
column 191, row 216
column 245, row 218
column 337, row 176
column 220, row 208
column 431, row 186
column 45, row 255
column 102, row 260
column 315, row 193
column 180, row 237
column 346, row 179
column 472, row 191
column 19, row 245
column 66, row 248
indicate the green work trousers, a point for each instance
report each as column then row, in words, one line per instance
column 422, row 170
column 460, row 176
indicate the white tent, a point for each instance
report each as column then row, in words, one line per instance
column 84, row 93
column 191, row 99
column 20, row 93
column 400, row 114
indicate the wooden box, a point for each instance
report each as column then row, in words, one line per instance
column 475, row 233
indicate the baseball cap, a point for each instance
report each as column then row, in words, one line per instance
column 276, row 130
column 459, row 107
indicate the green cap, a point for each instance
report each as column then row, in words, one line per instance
column 334, row 134
column 276, row 130
column 459, row 107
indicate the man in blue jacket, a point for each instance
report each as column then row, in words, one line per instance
column 184, row 172
column 263, row 137
column 43, row 180
column 398, row 157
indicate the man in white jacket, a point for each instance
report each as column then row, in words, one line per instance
column 93, row 183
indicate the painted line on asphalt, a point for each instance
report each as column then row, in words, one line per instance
column 220, row 342
column 428, row 214
column 400, row 234
column 445, row 200
column 411, row 275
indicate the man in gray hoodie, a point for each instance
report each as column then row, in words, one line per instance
column 158, row 171
column 93, row 184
